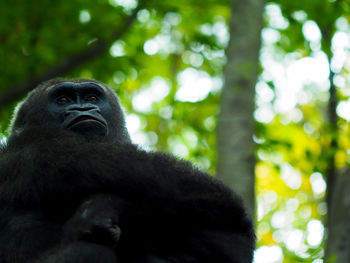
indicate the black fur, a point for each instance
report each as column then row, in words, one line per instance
column 167, row 210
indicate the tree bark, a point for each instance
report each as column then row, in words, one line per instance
column 338, row 241
column 235, row 145
column 338, row 184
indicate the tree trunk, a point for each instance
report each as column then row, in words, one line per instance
column 337, row 248
column 235, row 146
column 338, row 242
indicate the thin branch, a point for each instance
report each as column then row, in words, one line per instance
column 67, row 65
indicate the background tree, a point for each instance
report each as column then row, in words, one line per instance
column 236, row 148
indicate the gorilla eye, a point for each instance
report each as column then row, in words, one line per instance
column 63, row 100
column 92, row 98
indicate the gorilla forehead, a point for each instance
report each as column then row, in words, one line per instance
column 46, row 87
column 39, row 94
column 72, row 84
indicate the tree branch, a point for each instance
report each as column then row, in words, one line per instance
column 66, row 65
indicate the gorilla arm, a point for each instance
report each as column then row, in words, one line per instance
column 194, row 217
column 178, row 213
column 160, row 235
column 26, row 236
column 22, row 231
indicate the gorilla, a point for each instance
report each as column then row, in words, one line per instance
column 74, row 189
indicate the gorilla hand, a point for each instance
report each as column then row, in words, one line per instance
column 96, row 221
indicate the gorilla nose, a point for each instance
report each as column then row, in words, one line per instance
column 80, row 108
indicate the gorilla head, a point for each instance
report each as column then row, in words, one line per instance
column 84, row 107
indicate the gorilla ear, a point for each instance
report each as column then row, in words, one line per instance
column 16, row 120
column 28, row 108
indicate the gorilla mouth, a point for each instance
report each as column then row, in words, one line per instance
column 84, row 118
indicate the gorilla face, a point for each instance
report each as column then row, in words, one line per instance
column 80, row 107
column 84, row 107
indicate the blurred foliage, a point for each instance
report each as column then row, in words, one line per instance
column 145, row 68
column 294, row 145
